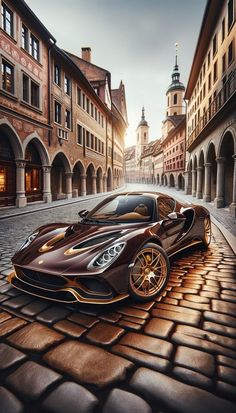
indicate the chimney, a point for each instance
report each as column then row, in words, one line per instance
column 86, row 54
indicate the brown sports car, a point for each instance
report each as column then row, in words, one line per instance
column 120, row 248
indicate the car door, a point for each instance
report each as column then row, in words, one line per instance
column 171, row 226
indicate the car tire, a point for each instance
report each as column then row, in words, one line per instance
column 150, row 272
column 207, row 232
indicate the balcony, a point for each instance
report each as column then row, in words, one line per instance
column 222, row 97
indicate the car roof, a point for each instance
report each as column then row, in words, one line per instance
column 148, row 193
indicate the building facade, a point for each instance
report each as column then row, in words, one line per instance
column 61, row 132
column 211, row 113
column 173, row 133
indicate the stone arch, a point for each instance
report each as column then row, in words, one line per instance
column 201, row 175
column 165, row 180
column 99, row 180
column 77, row 177
column 109, row 180
column 34, row 158
column 90, row 179
column 194, row 175
column 60, row 176
column 226, row 173
column 172, row 181
column 180, row 181
column 39, row 145
column 158, row 179
column 7, row 129
column 211, row 173
column 162, row 179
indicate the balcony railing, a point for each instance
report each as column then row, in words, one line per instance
column 218, row 102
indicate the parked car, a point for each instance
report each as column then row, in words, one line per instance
column 121, row 248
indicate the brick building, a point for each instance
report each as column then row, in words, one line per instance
column 211, row 114
column 61, row 132
column 130, row 164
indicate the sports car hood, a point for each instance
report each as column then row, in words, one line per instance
column 70, row 248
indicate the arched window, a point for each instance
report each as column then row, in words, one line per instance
column 175, row 99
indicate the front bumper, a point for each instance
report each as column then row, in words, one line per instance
column 92, row 290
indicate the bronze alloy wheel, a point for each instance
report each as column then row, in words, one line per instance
column 150, row 272
column 207, row 235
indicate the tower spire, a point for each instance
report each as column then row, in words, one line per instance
column 143, row 114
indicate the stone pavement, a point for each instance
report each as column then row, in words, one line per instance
column 175, row 354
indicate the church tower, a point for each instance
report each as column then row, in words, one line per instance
column 142, row 136
column 175, row 92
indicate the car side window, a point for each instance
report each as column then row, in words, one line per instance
column 165, row 207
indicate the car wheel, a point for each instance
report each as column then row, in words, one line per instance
column 207, row 232
column 150, row 272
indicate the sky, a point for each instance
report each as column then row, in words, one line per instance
column 132, row 39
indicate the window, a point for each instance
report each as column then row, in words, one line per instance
column 79, row 135
column 223, row 63
column 25, row 37
column 223, row 30
column 7, row 19
column 7, row 77
column 79, row 96
column 34, row 94
column 67, row 85
column 214, row 44
column 209, row 58
column 95, row 113
column 92, row 141
column 87, row 105
column 204, row 69
column 230, row 53
column 57, row 75
column 92, row 109
column 3, row 179
column 87, row 139
column 84, row 100
column 57, row 114
column 175, row 99
column 25, row 84
column 165, row 207
column 67, row 118
column 209, row 81
column 215, row 71
column 204, row 90
column 102, row 121
column 34, row 47
column 30, row 91
column 230, row 13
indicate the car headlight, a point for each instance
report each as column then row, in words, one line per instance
column 107, row 256
column 28, row 240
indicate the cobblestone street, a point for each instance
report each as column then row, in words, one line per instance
column 175, row 354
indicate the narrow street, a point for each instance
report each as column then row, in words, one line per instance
column 126, row 357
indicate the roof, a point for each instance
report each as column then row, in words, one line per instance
column 209, row 21
column 118, row 99
column 28, row 13
column 92, row 72
column 149, row 150
column 175, row 119
column 129, row 153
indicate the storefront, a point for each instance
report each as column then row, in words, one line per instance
column 33, row 174
column 7, row 172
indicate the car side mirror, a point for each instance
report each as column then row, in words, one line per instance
column 175, row 215
column 83, row 213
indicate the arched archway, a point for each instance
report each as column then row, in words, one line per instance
column 39, row 146
column 77, row 177
column 165, row 180
column 99, row 180
column 200, row 175
column 109, row 180
column 33, row 173
column 194, row 176
column 225, row 163
column 61, row 175
column 210, row 174
column 189, row 177
column 11, row 165
column 90, row 180
column 172, row 181
column 180, row 181
column 162, row 179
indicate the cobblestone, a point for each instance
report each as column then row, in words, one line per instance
column 35, row 337
column 174, row 354
column 79, row 361
column 120, row 401
column 31, row 380
column 185, row 399
column 70, row 397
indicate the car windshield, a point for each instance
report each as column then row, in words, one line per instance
column 123, row 208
